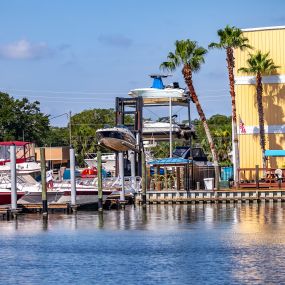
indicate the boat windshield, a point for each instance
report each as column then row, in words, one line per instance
column 23, row 152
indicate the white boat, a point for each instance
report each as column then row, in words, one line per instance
column 117, row 138
column 158, row 93
column 160, row 130
column 108, row 162
column 25, row 157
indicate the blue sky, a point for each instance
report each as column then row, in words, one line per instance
column 75, row 55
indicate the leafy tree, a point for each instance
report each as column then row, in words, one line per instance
column 57, row 137
column 191, row 56
column 221, row 127
column 84, row 126
column 22, row 120
column 260, row 64
column 232, row 38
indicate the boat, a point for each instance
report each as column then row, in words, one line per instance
column 159, row 130
column 158, row 90
column 24, row 184
column 196, row 153
column 108, row 162
column 117, row 138
column 25, row 157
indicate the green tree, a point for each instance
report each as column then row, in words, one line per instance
column 260, row 64
column 57, row 137
column 232, row 38
column 191, row 56
column 84, row 126
column 221, row 127
column 22, row 120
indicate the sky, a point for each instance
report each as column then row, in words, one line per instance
column 76, row 55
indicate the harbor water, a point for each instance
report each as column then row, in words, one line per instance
column 164, row 244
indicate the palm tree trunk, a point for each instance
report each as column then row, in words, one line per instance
column 187, row 73
column 231, row 65
column 259, row 91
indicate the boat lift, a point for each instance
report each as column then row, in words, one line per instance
column 156, row 96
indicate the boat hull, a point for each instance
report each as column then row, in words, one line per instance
column 83, row 197
column 5, row 197
column 116, row 139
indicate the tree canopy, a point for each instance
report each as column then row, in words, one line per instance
column 22, row 120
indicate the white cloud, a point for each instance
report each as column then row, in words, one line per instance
column 24, row 49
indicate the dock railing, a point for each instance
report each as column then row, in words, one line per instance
column 261, row 178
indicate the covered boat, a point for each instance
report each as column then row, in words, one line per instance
column 117, row 138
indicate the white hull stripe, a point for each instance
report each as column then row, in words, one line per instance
column 272, row 129
column 250, row 80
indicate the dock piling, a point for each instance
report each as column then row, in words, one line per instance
column 13, row 178
column 72, row 178
column 122, row 177
column 99, row 174
column 143, row 179
column 43, row 178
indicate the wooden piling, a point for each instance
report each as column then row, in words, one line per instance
column 43, row 178
column 99, row 174
column 72, row 179
column 143, row 178
column 257, row 176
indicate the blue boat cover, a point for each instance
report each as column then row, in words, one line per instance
column 157, row 83
column 276, row 152
column 170, row 160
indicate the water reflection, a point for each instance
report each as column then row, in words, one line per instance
column 238, row 218
column 223, row 243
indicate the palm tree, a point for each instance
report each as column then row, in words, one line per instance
column 260, row 64
column 191, row 56
column 232, row 38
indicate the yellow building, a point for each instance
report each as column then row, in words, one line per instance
column 268, row 39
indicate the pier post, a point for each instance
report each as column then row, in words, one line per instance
column 72, row 177
column 44, row 183
column 257, row 176
column 143, row 180
column 13, row 178
column 122, row 176
column 133, row 169
column 99, row 175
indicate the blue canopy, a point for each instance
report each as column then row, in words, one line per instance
column 170, row 160
column 276, row 152
column 157, row 83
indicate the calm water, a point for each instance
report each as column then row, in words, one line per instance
column 187, row 244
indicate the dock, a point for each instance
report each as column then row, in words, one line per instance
column 207, row 196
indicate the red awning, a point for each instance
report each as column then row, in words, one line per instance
column 16, row 143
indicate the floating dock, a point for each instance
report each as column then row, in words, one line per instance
column 206, row 196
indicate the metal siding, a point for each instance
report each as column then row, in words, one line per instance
column 274, row 99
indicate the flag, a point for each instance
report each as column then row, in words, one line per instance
column 242, row 129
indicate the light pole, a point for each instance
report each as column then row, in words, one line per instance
column 69, row 118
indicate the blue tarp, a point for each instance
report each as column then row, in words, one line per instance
column 170, row 160
column 275, row 152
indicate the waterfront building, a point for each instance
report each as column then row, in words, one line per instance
column 267, row 39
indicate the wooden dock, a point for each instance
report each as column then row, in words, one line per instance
column 6, row 213
column 37, row 207
column 206, row 196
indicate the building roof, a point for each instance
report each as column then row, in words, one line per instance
column 170, row 161
column 263, row 28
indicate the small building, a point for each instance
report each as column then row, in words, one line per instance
column 56, row 156
column 272, row 40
